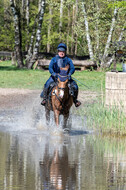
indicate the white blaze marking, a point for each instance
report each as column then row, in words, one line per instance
column 61, row 94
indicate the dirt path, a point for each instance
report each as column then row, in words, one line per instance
column 11, row 98
column 16, row 98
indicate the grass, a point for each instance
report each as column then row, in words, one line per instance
column 99, row 117
column 110, row 121
column 11, row 77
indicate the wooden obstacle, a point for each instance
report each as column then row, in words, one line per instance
column 82, row 64
column 5, row 55
column 116, row 89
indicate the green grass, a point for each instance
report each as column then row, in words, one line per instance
column 108, row 120
column 11, row 77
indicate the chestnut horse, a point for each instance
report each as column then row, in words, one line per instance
column 60, row 101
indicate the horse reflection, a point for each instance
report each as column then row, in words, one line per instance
column 56, row 171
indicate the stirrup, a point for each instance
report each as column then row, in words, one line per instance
column 77, row 103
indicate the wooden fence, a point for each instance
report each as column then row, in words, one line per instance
column 81, row 64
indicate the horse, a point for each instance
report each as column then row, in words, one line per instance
column 60, row 100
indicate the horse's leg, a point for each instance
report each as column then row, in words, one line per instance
column 66, row 116
column 56, row 115
column 47, row 116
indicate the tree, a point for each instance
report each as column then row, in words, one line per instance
column 87, row 27
column 36, row 34
column 18, row 35
column 105, row 55
column 32, row 55
column 87, row 33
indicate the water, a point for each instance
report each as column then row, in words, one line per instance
column 36, row 157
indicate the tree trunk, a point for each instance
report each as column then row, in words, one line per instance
column 121, row 34
column 18, row 41
column 30, row 49
column 68, row 29
column 34, row 56
column 49, row 29
column 103, row 64
column 97, row 57
column 23, row 8
column 76, row 19
column 87, row 33
column 27, row 19
column 73, row 24
column 39, row 5
column 108, row 63
column 61, row 15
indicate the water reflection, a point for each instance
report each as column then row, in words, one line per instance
column 34, row 160
column 58, row 174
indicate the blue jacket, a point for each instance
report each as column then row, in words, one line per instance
column 55, row 68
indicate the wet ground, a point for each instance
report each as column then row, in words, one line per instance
column 36, row 157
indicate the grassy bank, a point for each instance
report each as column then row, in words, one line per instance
column 106, row 120
column 99, row 117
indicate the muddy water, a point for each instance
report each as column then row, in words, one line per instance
column 36, row 157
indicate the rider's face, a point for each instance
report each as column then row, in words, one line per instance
column 61, row 53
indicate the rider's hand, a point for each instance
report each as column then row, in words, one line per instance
column 54, row 75
column 69, row 76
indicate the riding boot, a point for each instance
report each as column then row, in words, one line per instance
column 44, row 96
column 76, row 102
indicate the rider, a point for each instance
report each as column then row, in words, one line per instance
column 54, row 69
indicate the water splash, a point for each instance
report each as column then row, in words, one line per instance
column 31, row 117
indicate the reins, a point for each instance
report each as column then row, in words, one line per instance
column 76, row 80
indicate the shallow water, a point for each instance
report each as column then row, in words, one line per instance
column 36, row 157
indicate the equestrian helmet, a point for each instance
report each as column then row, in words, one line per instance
column 62, row 47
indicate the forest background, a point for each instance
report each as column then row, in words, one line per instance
column 88, row 27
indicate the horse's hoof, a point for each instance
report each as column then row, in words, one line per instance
column 66, row 130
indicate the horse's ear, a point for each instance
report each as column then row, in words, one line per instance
column 65, row 68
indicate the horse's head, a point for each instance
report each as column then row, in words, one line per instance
column 62, row 87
